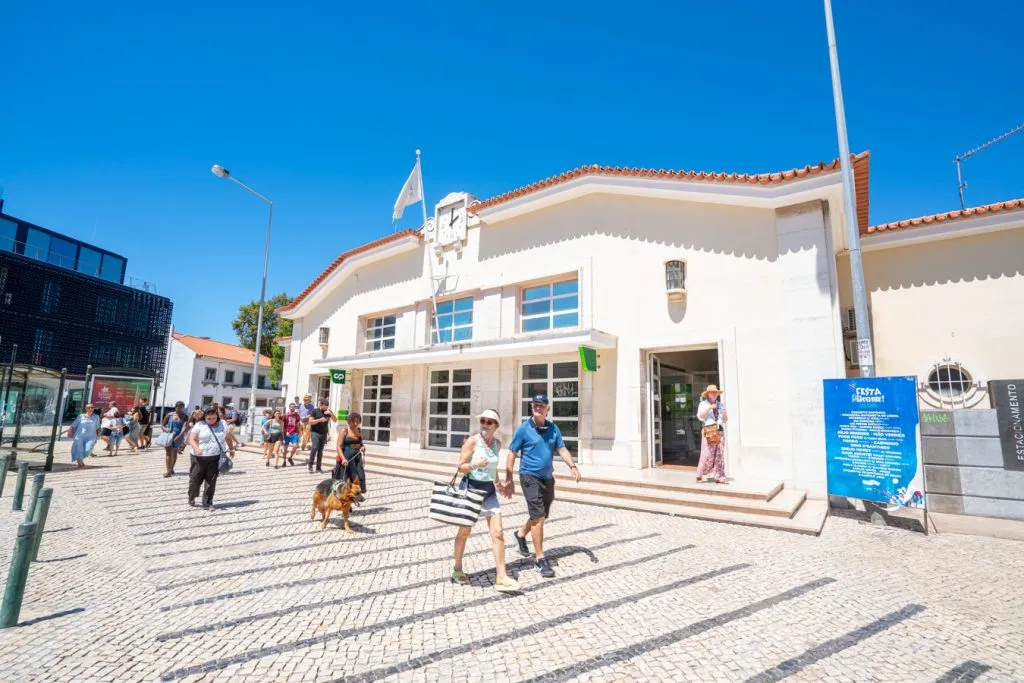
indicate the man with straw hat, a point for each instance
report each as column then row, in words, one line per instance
column 712, row 415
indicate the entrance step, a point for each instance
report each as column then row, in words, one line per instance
column 759, row 504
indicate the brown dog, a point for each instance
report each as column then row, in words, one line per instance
column 333, row 494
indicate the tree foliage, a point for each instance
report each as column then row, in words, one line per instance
column 273, row 326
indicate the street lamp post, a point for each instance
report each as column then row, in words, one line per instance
column 865, row 353
column 222, row 172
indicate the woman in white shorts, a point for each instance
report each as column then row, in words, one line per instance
column 478, row 461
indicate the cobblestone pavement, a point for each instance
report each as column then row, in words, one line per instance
column 134, row 585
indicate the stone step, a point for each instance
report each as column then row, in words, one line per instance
column 788, row 510
column 675, row 482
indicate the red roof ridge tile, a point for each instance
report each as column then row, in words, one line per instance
column 957, row 214
column 712, row 176
column 339, row 260
column 211, row 348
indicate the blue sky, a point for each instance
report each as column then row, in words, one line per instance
column 113, row 113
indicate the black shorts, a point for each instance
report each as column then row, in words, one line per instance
column 539, row 494
column 106, row 431
column 273, row 438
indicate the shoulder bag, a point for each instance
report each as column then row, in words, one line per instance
column 225, row 463
column 713, row 433
column 451, row 505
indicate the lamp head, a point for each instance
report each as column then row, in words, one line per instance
column 220, row 171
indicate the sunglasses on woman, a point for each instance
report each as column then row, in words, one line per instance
column 484, row 422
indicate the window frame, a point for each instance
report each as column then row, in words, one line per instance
column 379, row 322
column 453, row 328
column 571, row 442
column 324, row 334
column 246, row 382
column 206, row 402
column 374, row 414
column 525, row 319
column 229, row 377
column 209, row 374
column 452, row 440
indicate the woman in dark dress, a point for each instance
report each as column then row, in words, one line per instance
column 349, row 462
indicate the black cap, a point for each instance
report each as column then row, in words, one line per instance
column 540, row 398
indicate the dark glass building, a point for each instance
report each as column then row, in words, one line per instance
column 66, row 305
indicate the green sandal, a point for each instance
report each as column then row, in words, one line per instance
column 460, row 577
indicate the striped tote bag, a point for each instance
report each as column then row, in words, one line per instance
column 451, row 505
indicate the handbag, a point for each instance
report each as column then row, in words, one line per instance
column 712, row 434
column 164, row 439
column 450, row 505
column 225, row 463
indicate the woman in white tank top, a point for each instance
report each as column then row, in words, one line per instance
column 478, row 462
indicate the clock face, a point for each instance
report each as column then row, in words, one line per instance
column 451, row 223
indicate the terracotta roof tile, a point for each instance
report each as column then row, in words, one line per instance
column 204, row 346
column 959, row 214
column 860, row 169
column 338, row 261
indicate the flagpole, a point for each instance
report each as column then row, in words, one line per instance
column 435, row 338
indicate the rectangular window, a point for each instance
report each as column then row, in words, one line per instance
column 226, row 400
column 51, row 298
column 210, row 375
column 89, row 261
column 323, row 388
column 112, row 268
column 560, row 382
column 229, row 377
column 243, row 404
column 62, row 253
column 246, row 379
column 377, row 394
column 106, row 310
column 207, row 401
column 261, row 382
column 42, row 345
column 261, row 403
column 448, row 420
column 37, row 244
column 380, row 333
column 550, row 307
column 8, row 234
column 325, row 333
column 454, row 321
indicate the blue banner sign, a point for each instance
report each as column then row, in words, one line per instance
column 871, row 440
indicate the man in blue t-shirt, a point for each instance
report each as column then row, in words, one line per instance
column 536, row 441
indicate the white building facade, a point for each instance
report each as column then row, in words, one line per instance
column 201, row 371
column 677, row 280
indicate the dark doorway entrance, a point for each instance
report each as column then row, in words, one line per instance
column 683, row 376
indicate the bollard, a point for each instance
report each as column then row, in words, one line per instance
column 17, row 576
column 19, row 486
column 37, row 486
column 3, row 473
column 42, row 510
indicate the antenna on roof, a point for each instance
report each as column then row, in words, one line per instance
column 961, row 183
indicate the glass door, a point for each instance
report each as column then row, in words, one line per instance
column 654, row 413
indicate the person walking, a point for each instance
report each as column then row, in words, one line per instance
column 117, row 429
column 292, row 423
column 143, row 415
column 350, row 451
column 319, row 431
column 537, row 440
column 273, row 429
column 208, row 440
column 478, row 461
column 83, row 432
column 176, row 424
column 306, row 409
column 711, row 412
column 233, row 419
column 132, row 431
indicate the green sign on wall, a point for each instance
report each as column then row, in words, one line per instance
column 338, row 376
column 588, row 359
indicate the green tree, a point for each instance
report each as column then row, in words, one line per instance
column 273, row 326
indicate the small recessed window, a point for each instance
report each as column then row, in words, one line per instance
column 675, row 275
column 325, row 334
column 949, row 380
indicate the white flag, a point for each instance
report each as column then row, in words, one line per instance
column 412, row 192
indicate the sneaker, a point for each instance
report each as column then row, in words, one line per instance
column 523, row 550
column 291, row 462
column 506, row 585
column 544, row 567
column 460, row 577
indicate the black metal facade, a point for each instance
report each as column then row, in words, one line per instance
column 61, row 318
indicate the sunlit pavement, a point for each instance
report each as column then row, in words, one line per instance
column 135, row 585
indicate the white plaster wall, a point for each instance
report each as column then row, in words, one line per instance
column 750, row 276
column 177, row 376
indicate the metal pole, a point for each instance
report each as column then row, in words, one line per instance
column 17, row 576
column 58, row 413
column 4, row 464
column 7, row 391
column 41, row 512
column 865, row 353
column 960, row 185
column 19, row 486
column 37, row 486
column 19, row 410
